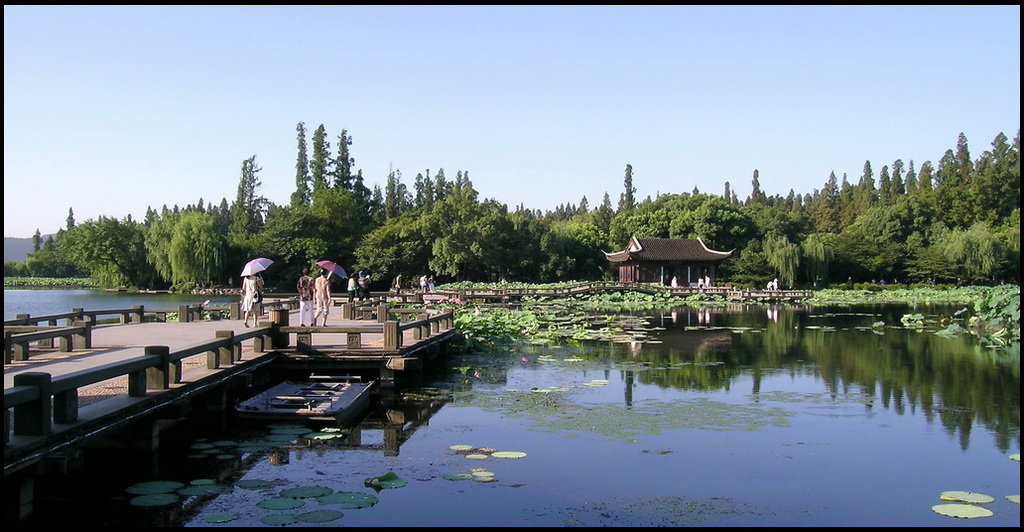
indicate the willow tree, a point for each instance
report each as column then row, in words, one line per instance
column 817, row 256
column 783, row 256
column 196, row 251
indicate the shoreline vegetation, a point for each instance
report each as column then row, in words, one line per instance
column 995, row 318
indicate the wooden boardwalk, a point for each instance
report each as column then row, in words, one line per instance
column 55, row 399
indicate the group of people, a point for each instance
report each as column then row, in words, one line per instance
column 359, row 287
column 314, row 297
column 427, row 283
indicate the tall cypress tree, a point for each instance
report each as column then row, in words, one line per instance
column 321, row 161
column 343, row 164
column 627, row 200
column 301, row 196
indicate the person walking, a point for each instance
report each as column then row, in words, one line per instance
column 322, row 297
column 364, row 287
column 305, row 289
column 252, row 294
column 353, row 287
column 423, row 284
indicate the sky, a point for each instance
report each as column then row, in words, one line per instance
column 111, row 110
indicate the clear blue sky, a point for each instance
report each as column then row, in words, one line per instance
column 109, row 110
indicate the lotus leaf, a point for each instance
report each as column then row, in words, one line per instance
column 386, row 481
column 281, row 503
column 458, row 476
column 508, row 454
column 320, row 516
column 202, row 481
column 349, row 499
column 460, row 447
column 154, row 499
column 155, row 486
column 476, row 456
column 199, row 490
column 1015, row 457
column 965, row 511
column 279, row 520
column 1013, row 498
column 966, row 496
column 253, row 484
column 306, row 492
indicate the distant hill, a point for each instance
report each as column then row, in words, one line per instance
column 17, row 248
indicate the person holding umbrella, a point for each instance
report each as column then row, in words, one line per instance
column 252, row 288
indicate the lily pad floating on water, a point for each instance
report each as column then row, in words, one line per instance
column 966, row 496
column 254, row 484
column 460, row 447
column 200, row 490
column 351, row 500
column 320, row 516
column 1013, row 498
column 508, row 454
column 1015, row 457
column 964, row 511
column 388, row 480
column 306, row 492
column 476, row 456
column 457, row 476
column 155, row 499
column 154, row 486
column 281, row 503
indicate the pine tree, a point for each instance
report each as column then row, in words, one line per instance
column 321, row 162
column 301, row 196
column 343, row 164
column 627, row 200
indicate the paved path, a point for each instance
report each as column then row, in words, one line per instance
column 116, row 342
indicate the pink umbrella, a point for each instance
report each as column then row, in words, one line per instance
column 332, row 267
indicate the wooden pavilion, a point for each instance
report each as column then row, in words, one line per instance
column 659, row 260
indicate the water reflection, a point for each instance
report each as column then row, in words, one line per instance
column 758, row 405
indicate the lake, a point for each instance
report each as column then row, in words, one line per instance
column 743, row 415
column 46, row 301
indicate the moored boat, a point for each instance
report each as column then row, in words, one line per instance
column 339, row 399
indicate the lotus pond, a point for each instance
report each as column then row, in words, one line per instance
column 723, row 416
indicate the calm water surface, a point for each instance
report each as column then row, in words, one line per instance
column 740, row 416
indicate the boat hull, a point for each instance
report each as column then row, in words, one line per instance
column 338, row 401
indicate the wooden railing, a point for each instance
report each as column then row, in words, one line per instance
column 37, row 400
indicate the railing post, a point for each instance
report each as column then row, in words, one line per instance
column 82, row 340
column 158, row 377
column 423, row 329
column 392, row 336
column 228, row 353
column 8, row 350
column 183, row 314
column 382, row 313
column 139, row 315
column 236, row 310
column 278, row 318
column 33, row 418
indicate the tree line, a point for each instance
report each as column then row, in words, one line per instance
column 957, row 220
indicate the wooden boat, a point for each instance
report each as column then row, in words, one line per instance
column 339, row 399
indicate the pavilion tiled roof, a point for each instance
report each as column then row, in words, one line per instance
column 667, row 250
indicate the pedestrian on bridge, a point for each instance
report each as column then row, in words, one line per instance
column 305, row 289
column 322, row 297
